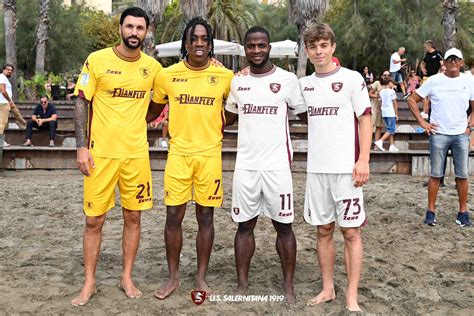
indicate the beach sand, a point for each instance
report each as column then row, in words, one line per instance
column 409, row 268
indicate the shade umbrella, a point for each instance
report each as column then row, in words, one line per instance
column 220, row 48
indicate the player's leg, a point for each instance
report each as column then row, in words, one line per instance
column 286, row 249
column 277, row 188
column 173, row 243
column 320, row 210
column 99, row 189
column 353, row 254
column 246, row 207
column 350, row 217
column 207, row 180
column 204, row 242
column 178, row 186
column 136, row 192
column 244, row 248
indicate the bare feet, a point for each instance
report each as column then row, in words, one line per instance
column 322, row 297
column 201, row 285
column 86, row 293
column 129, row 289
column 166, row 290
column 353, row 307
column 290, row 298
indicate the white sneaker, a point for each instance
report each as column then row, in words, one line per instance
column 379, row 145
column 424, row 115
column 393, row 149
column 5, row 144
column 164, row 144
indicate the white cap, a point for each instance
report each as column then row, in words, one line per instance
column 453, row 52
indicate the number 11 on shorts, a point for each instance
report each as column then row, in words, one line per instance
column 285, row 201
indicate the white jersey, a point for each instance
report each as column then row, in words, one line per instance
column 4, row 80
column 387, row 96
column 262, row 102
column 395, row 66
column 449, row 99
column 335, row 100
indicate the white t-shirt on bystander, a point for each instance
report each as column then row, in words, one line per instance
column 387, row 96
column 395, row 66
column 4, row 80
column 449, row 101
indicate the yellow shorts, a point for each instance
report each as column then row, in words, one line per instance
column 185, row 173
column 133, row 177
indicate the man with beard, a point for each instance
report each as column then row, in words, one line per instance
column 195, row 90
column 262, row 179
column 7, row 104
column 114, row 87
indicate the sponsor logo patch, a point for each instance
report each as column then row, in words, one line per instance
column 84, row 79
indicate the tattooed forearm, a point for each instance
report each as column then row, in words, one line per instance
column 80, row 122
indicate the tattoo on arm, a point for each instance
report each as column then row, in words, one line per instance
column 80, row 122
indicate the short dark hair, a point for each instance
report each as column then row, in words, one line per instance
column 136, row 12
column 192, row 26
column 8, row 65
column 256, row 29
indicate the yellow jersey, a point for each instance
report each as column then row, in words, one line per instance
column 119, row 91
column 196, row 106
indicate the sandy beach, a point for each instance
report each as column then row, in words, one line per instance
column 409, row 268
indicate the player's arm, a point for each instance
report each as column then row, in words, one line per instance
column 303, row 116
column 230, row 118
column 154, row 110
column 361, row 170
column 84, row 157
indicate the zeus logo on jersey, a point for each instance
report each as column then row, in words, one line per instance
column 308, row 89
column 322, row 111
column 243, row 89
column 124, row 93
column 190, row 99
column 259, row 109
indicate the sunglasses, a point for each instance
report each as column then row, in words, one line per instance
column 452, row 59
column 44, row 102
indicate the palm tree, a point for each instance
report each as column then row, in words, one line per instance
column 9, row 19
column 42, row 35
column 193, row 8
column 304, row 13
column 450, row 11
column 230, row 19
column 154, row 10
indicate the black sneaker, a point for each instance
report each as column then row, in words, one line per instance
column 463, row 219
column 430, row 218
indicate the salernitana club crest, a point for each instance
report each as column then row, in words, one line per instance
column 213, row 80
column 144, row 72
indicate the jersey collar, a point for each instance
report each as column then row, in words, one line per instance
column 268, row 73
column 117, row 53
column 196, row 68
column 327, row 74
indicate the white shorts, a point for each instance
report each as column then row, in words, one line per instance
column 331, row 197
column 269, row 192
